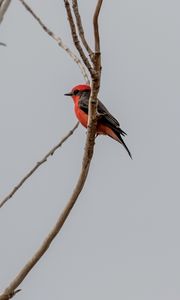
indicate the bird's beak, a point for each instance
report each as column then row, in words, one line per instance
column 68, row 94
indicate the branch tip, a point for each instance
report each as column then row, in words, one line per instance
column 80, row 28
column 96, row 26
column 75, row 37
column 58, row 40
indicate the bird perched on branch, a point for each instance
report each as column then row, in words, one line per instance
column 106, row 124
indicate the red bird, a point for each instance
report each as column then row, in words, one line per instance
column 107, row 124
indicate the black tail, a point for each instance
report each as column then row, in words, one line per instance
column 123, row 143
column 122, row 132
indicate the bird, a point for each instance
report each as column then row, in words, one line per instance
column 106, row 124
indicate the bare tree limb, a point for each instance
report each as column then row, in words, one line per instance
column 80, row 27
column 2, row 44
column 75, row 37
column 4, row 4
column 9, row 291
column 88, row 154
column 58, row 40
column 38, row 164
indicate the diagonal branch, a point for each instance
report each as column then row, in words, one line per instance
column 11, row 289
column 4, row 4
column 38, row 164
column 88, row 153
column 75, row 37
column 58, row 40
column 80, row 27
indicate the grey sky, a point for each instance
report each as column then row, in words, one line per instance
column 122, row 238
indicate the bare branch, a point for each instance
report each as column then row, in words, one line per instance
column 96, row 27
column 9, row 291
column 38, row 164
column 4, row 4
column 2, row 44
column 88, row 154
column 75, row 37
column 58, row 40
column 80, row 27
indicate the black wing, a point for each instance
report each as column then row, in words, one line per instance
column 105, row 115
column 106, row 118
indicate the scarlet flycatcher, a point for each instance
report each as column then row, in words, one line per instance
column 106, row 124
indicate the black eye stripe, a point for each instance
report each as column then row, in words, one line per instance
column 75, row 92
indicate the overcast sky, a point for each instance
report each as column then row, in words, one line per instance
column 121, row 240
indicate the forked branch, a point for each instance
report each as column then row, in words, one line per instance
column 11, row 289
column 58, row 40
column 80, row 27
column 88, row 154
column 75, row 37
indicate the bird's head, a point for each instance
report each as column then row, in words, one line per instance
column 78, row 91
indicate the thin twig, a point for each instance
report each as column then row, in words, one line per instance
column 97, row 54
column 75, row 37
column 4, row 4
column 58, row 40
column 96, row 27
column 38, row 164
column 80, row 27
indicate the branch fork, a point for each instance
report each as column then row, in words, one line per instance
column 95, row 73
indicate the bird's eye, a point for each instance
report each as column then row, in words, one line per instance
column 75, row 92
